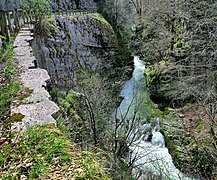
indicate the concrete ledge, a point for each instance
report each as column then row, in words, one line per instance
column 37, row 108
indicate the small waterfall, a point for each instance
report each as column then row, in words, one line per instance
column 147, row 145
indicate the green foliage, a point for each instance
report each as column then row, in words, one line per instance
column 155, row 45
column 198, row 125
column 37, row 8
column 68, row 118
column 91, row 168
column 2, row 37
column 44, row 152
column 8, row 89
column 8, row 86
column 190, row 147
column 98, row 102
column 100, row 18
column 151, row 74
column 193, row 75
column 85, row 113
column 122, row 58
column 45, row 26
column 40, row 11
column 24, row 93
column 6, row 54
column 183, row 38
column 67, row 101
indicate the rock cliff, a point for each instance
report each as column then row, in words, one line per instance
column 84, row 41
column 73, row 4
column 10, row 5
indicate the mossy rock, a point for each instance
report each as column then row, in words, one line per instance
column 100, row 18
column 16, row 117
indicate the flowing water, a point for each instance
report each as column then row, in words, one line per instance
column 146, row 143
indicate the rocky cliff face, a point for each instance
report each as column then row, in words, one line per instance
column 73, row 4
column 9, row 5
column 83, row 41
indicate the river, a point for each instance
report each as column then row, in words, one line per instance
column 147, row 147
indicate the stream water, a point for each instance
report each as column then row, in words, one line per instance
column 146, row 143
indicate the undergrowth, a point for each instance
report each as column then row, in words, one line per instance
column 43, row 152
column 8, row 87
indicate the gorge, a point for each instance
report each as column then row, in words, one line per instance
column 134, row 81
column 146, row 143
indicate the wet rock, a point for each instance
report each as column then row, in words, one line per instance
column 181, row 116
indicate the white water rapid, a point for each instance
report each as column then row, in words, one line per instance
column 151, row 156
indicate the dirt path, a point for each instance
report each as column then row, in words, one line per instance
column 37, row 108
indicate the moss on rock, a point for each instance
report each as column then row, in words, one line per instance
column 16, row 117
column 100, row 18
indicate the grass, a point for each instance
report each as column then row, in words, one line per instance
column 8, row 86
column 43, row 152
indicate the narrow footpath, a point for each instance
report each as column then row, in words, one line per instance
column 37, row 108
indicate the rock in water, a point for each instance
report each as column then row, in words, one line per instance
column 157, row 139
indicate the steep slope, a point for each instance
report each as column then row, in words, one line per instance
column 83, row 41
column 43, row 152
